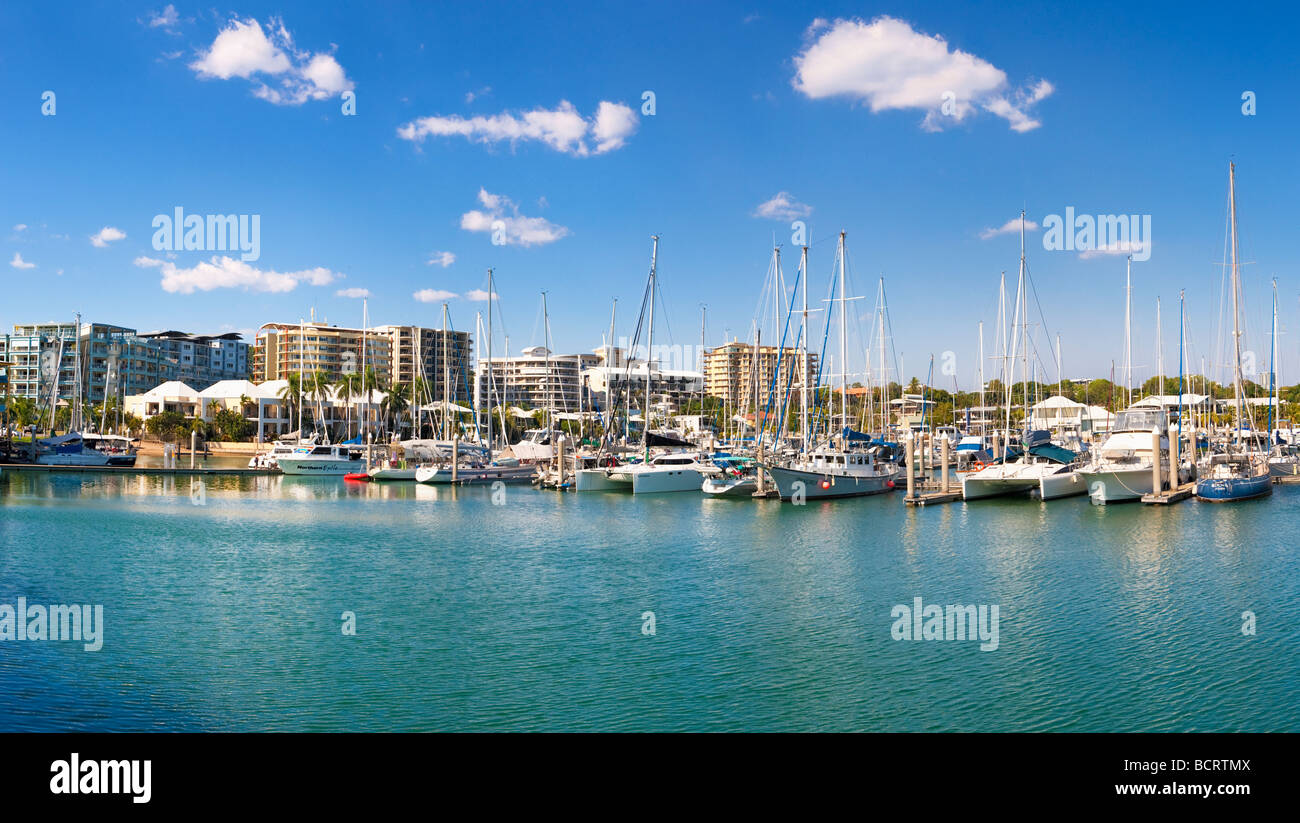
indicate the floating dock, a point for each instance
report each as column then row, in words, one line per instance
column 1169, row 496
column 234, row 472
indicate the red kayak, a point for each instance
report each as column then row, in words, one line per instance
column 356, row 476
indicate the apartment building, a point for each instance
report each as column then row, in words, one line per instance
column 436, row 356
column 729, row 371
column 536, row 378
column 115, row 360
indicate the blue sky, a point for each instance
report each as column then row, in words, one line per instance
column 834, row 105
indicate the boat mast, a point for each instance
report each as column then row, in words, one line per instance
column 302, row 368
column 1272, row 366
column 981, row 376
column 74, row 419
column 649, row 352
column 803, row 369
column 1236, row 289
column 884, row 374
column 844, row 389
column 1023, row 300
column 446, row 379
column 491, row 381
column 609, row 372
column 1128, row 333
column 546, row 339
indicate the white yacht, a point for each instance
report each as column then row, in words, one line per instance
column 470, row 474
column 337, row 459
column 1121, row 469
column 69, row 450
column 670, row 472
column 1026, row 471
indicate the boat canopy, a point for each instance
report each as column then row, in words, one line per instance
column 856, row 436
column 1056, row 454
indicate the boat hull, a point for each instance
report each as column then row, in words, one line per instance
column 661, row 482
column 1118, row 486
column 974, row 487
column 393, row 473
column 597, row 480
column 1065, row 484
column 1232, row 489
column 319, row 468
column 835, row 485
column 441, row 475
column 87, row 458
column 744, row 487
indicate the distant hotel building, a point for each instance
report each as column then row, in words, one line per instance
column 535, row 379
column 115, row 360
column 626, row 378
column 729, row 371
column 396, row 353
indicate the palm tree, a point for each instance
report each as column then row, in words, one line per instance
column 318, row 387
column 348, row 386
column 291, row 393
column 394, row 404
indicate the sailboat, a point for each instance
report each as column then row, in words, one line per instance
column 838, row 467
column 1238, row 472
column 1024, row 471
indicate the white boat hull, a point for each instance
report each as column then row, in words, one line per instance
column 597, row 480
column 1118, row 485
column 323, row 468
column 734, row 487
column 88, row 457
column 441, row 475
column 1065, row 484
column 393, row 473
column 667, row 480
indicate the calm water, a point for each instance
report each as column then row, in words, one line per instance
column 527, row 615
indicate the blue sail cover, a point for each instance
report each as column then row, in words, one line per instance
column 1054, row 453
column 855, row 436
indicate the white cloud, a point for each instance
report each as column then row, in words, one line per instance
column 166, row 19
column 228, row 273
column 889, row 65
column 441, row 258
column 19, row 263
column 20, row 227
column 782, row 207
column 614, row 124
column 243, row 49
column 515, row 228
column 1012, row 226
column 433, row 295
column 478, row 295
column 353, row 292
column 561, row 128
column 106, row 235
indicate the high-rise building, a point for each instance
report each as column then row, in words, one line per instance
column 434, row 356
column 282, row 349
column 398, row 354
column 729, row 371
